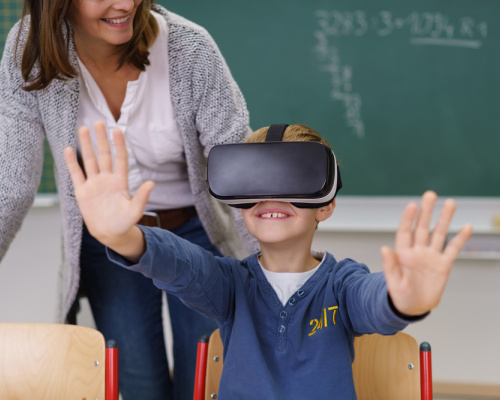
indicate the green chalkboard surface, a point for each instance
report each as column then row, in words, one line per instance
column 407, row 92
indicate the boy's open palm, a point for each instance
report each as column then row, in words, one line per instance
column 108, row 209
column 417, row 270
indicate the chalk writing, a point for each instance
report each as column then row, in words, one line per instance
column 341, row 83
column 422, row 29
column 465, row 32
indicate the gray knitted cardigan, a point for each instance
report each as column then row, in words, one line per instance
column 209, row 109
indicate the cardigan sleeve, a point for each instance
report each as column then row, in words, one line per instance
column 216, row 102
column 222, row 114
column 21, row 142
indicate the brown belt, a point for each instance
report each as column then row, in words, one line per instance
column 168, row 219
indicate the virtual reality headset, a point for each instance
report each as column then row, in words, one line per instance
column 305, row 174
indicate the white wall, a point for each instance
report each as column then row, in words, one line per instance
column 29, row 271
column 463, row 331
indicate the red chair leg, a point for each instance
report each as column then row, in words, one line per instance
column 201, row 368
column 425, row 371
column 112, row 382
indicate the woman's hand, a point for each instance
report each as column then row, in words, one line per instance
column 102, row 193
column 417, row 270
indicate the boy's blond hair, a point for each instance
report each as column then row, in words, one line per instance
column 293, row 133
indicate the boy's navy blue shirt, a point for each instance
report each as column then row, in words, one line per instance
column 301, row 350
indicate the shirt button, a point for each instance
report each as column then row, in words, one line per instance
column 282, row 329
column 301, row 293
column 283, row 314
column 292, row 301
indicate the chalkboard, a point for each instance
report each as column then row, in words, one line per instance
column 407, row 92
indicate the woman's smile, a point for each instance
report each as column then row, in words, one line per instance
column 117, row 21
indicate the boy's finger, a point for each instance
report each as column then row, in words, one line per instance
column 404, row 235
column 141, row 196
column 455, row 245
column 103, row 148
column 440, row 233
column 75, row 172
column 389, row 263
column 422, row 227
column 121, row 156
column 87, row 150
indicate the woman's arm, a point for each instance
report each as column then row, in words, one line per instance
column 21, row 144
column 221, row 114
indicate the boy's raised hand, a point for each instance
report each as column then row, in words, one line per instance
column 417, row 270
column 108, row 209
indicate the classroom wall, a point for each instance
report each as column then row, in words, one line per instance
column 463, row 331
column 29, row 271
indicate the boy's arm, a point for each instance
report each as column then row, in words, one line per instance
column 417, row 270
column 108, row 209
column 201, row 280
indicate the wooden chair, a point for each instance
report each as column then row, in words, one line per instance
column 392, row 367
column 385, row 368
column 56, row 362
column 208, row 366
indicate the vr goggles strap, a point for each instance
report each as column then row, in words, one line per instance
column 275, row 132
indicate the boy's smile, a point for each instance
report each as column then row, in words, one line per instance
column 276, row 222
column 285, row 233
column 273, row 215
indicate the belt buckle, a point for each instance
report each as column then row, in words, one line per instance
column 154, row 215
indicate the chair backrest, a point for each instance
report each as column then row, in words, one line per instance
column 51, row 361
column 385, row 368
column 214, row 364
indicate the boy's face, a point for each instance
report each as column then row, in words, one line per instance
column 274, row 222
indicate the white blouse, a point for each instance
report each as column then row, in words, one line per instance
column 154, row 144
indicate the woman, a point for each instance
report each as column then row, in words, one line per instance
column 162, row 80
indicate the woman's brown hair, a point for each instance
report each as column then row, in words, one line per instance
column 46, row 52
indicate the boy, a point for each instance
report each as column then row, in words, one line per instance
column 269, row 304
